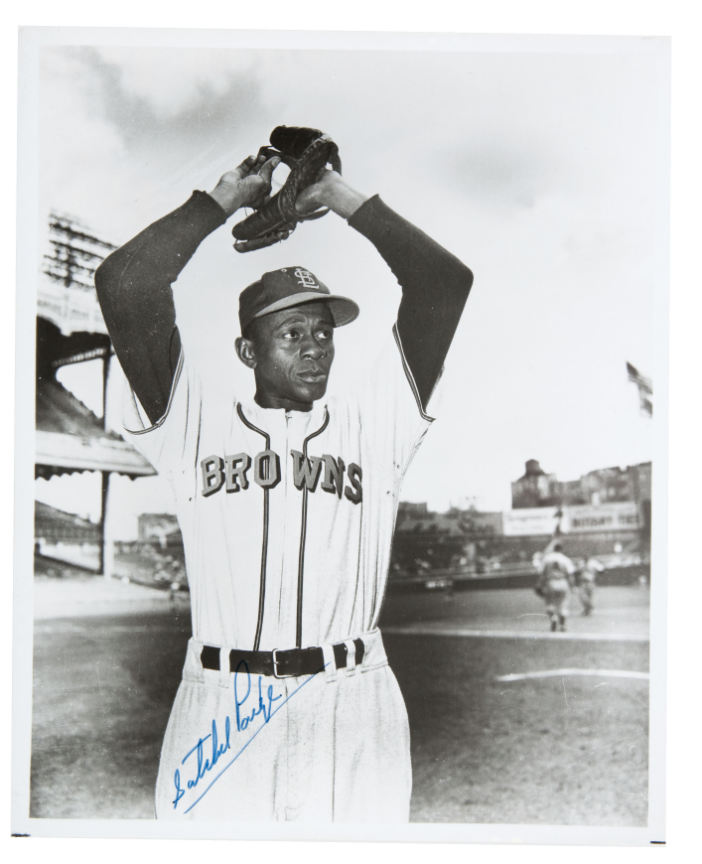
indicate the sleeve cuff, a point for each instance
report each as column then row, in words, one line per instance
column 206, row 208
column 364, row 215
column 376, row 221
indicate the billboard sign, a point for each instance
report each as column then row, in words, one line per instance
column 580, row 519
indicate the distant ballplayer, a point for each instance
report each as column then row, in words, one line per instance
column 554, row 584
column 585, row 579
column 287, row 708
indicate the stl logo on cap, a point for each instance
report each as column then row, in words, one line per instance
column 306, row 279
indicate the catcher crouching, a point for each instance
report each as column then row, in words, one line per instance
column 287, row 708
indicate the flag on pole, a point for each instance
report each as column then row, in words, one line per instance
column 645, row 389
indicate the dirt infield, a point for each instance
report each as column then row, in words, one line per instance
column 557, row 748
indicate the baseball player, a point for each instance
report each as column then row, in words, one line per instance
column 554, row 584
column 585, row 579
column 287, row 709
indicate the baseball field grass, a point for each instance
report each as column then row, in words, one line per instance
column 510, row 724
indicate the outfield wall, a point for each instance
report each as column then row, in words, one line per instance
column 631, row 575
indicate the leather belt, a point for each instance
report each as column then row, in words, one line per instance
column 281, row 663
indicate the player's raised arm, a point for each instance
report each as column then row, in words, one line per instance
column 134, row 283
column 435, row 284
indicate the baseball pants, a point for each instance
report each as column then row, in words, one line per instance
column 331, row 746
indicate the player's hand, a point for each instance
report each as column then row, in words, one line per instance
column 331, row 191
column 247, row 185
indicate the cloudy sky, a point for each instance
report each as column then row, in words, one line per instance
column 540, row 162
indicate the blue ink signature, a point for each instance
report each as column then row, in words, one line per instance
column 208, row 755
column 243, row 721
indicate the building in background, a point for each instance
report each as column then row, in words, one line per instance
column 161, row 529
column 536, row 488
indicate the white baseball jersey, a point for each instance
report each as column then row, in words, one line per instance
column 287, row 520
column 557, row 565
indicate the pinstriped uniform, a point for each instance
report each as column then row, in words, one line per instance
column 287, row 520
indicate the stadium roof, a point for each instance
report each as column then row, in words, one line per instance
column 69, row 438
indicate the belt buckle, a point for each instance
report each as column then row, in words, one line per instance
column 277, row 674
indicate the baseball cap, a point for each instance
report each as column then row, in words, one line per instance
column 291, row 286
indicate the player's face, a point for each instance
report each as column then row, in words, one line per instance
column 292, row 354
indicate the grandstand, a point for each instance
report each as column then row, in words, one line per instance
column 66, row 545
column 52, row 526
column 69, row 436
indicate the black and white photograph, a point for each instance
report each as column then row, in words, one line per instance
column 341, row 508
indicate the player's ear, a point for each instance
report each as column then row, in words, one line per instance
column 245, row 351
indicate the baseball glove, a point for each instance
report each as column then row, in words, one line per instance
column 306, row 152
